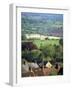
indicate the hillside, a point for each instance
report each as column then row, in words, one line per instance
column 42, row 23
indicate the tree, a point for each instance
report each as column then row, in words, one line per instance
column 23, row 37
column 61, row 42
column 28, row 46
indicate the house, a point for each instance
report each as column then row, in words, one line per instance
column 33, row 65
column 25, row 67
column 45, row 64
column 53, row 37
column 48, row 65
column 36, row 36
column 39, row 36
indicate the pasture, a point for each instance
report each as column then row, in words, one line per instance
column 40, row 43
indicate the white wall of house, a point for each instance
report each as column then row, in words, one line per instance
column 38, row 36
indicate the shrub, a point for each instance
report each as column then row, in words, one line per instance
column 31, row 55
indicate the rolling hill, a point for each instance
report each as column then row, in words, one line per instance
column 42, row 23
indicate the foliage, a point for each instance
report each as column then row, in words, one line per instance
column 28, row 46
column 23, row 37
column 61, row 42
column 45, row 52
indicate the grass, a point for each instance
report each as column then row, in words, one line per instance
column 45, row 42
column 40, row 43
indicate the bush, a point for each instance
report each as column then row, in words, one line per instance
column 31, row 55
column 35, row 53
column 61, row 42
column 48, row 52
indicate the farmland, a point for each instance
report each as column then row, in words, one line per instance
column 45, row 42
column 39, row 42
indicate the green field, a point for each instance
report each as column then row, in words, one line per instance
column 40, row 43
column 45, row 42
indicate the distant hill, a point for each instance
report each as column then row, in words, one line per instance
column 42, row 23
